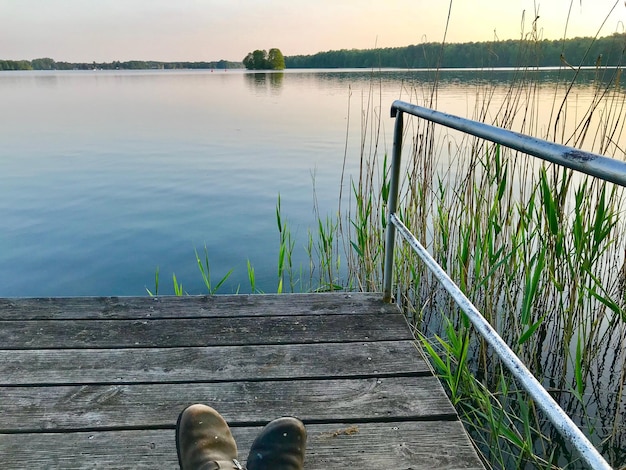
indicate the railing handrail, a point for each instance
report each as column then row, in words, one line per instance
column 592, row 164
column 608, row 169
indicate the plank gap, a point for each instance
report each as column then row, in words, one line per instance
column 141, row 346
column 417, row 374
column 445, row 417
column 193, row 317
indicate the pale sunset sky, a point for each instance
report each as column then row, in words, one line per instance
column 205, row 30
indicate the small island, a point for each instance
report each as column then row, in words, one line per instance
column 263, row 60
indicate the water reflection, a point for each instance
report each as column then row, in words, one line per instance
column 265, row 81
column 46, row 80
column 465, row 77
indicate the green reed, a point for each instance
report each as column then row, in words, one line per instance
column 205, row 271
column 538, row 249
column 285, row 253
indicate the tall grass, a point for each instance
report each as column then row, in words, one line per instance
column 538, row 249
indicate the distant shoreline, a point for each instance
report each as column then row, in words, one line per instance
column 588, row 52
column 51, row 64
column 341, row 70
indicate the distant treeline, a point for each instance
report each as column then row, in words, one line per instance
column 50, row 64
column 511, row 53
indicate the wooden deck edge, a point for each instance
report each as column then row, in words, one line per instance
column 402, row 445
column 196, row 306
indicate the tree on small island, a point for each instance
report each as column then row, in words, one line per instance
column 262, row 60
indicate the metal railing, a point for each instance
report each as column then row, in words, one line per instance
column 595, row 165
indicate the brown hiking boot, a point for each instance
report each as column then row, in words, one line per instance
column 204, row 441
column 280, row 446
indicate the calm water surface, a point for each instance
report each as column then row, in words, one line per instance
column 106, row 175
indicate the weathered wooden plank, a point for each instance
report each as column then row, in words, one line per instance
column 402, row 446
column 333, row 358
column 192, row 306
column 46, row 334
column 219, row 363
column 155, row 405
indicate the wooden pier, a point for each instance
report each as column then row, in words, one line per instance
column 99, row 382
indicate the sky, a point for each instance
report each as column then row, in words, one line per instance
column 206, row 30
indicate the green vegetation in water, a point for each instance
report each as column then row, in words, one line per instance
column 538, row 249
column 205, row 271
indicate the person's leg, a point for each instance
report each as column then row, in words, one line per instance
column 204, row 440
column 280, row 446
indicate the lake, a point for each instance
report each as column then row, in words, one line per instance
column 107, row 175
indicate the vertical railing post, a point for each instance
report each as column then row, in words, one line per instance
column 392, row 203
